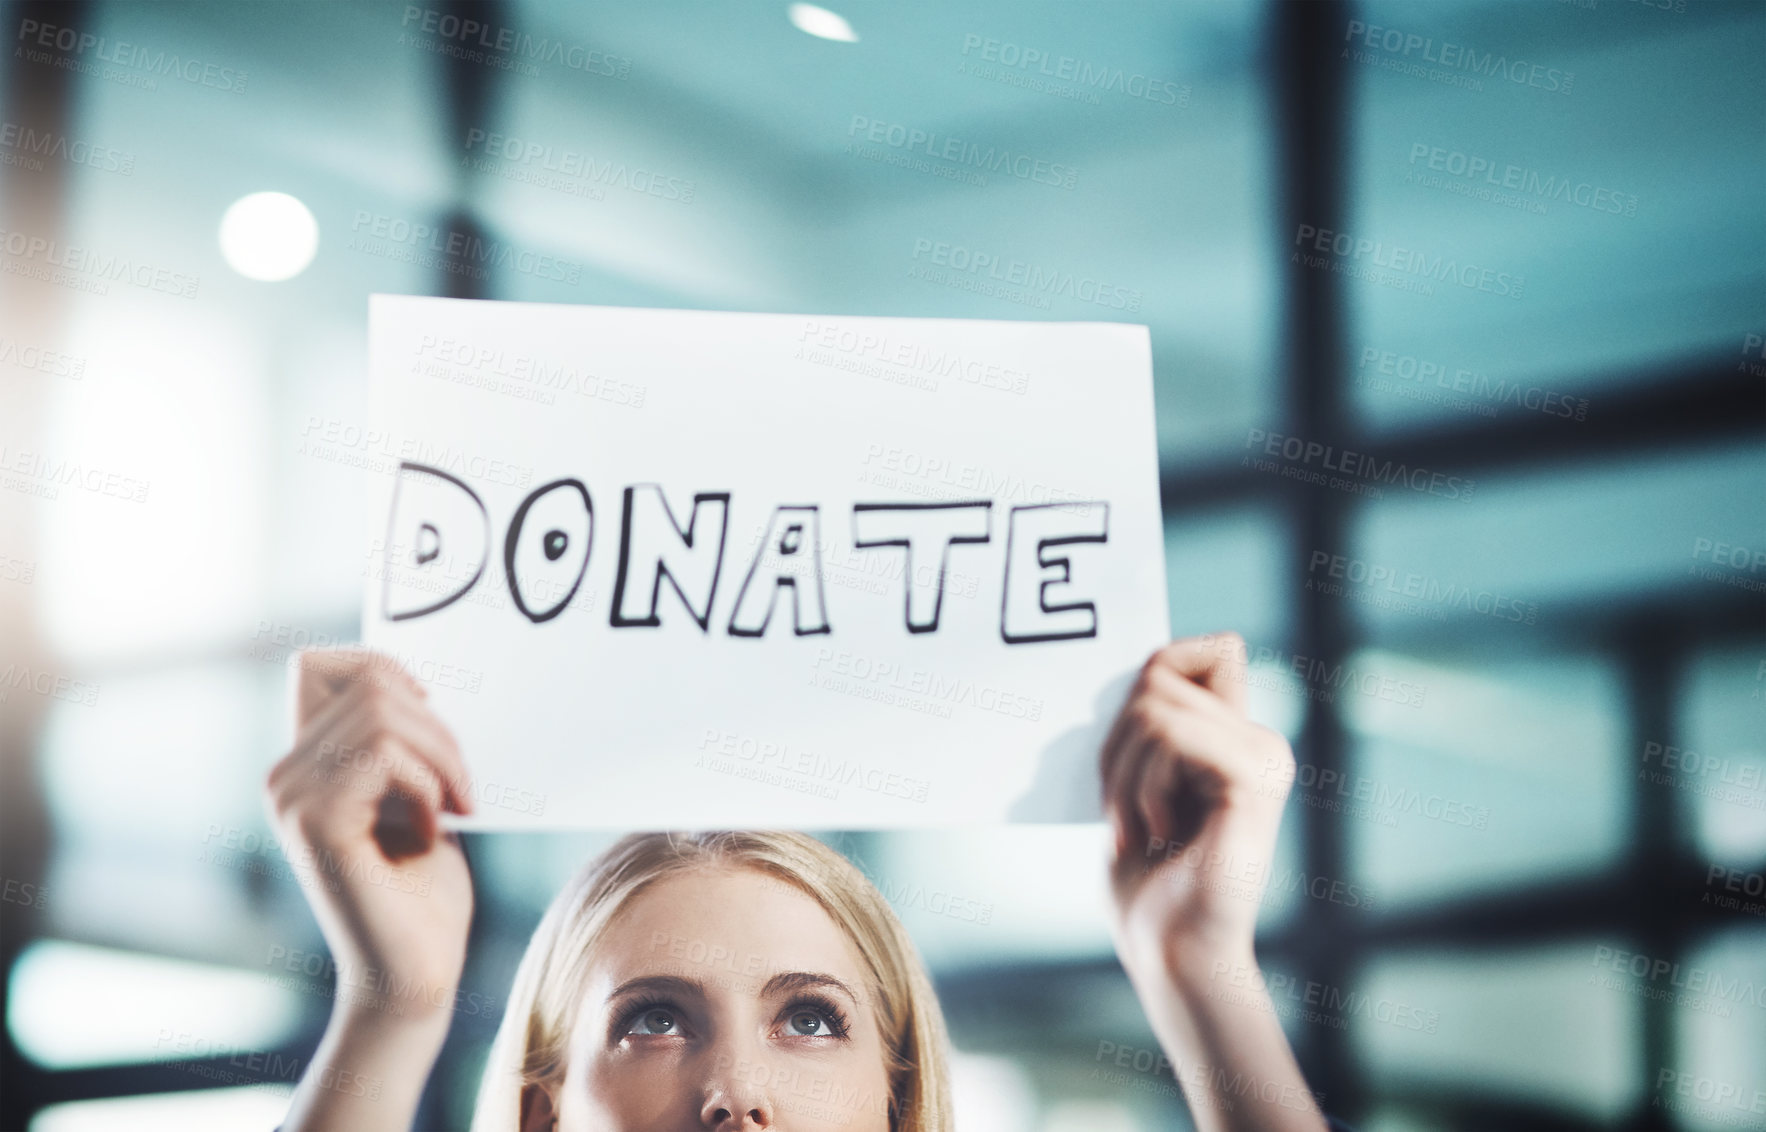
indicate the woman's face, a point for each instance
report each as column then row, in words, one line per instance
column 725, row 999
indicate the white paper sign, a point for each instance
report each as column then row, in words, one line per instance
column 675, row 569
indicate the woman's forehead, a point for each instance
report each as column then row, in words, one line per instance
column 722, row 923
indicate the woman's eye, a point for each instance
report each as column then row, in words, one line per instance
column 808, row 1024
column 657, row 1021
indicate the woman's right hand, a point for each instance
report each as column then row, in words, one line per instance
column 356, row 804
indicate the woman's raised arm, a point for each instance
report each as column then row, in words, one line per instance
column 1194, row 792
column 356, row 803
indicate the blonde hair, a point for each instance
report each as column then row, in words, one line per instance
column 533, row 1039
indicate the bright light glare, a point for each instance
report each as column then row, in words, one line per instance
column 821, row 23
column 72, row 1005
column 200, row 1110
column 990, row 1094
column 269, row 236
column 180, row 424
column 1089, row 1116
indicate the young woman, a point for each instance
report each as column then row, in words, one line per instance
column 745, row 981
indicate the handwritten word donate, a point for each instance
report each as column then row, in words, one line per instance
column 440, row 539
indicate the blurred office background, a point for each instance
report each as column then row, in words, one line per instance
column 1526, row 694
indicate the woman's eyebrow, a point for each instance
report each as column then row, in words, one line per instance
column 787, row 982
column 664, row 984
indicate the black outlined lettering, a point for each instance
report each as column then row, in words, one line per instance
column 642, row 536
column 439, row 537
column 567, row 528
column 786, row 559
column 428, row 543
column 433, row 524
column 916, row 528
column 1031, row 530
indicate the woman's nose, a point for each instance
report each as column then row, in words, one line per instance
column 738, row 1094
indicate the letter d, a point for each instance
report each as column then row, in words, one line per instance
column 438, row 529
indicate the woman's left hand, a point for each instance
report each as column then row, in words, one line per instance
column 1194, row 791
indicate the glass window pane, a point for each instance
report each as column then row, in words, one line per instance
column 1571, row 224
column 1524, row 1024
column 833, row 186
column 1226, row 570
column 177, row 835
column 1569, row 541
column 1468, row 786
column 1718, row 1075
column 1720, row 771
column 997, row 894
column 152, row 1009
column 200, row 1110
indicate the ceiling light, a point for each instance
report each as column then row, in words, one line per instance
column 269, row 236
column 821, row 23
